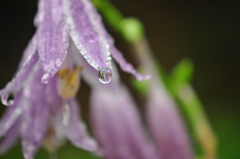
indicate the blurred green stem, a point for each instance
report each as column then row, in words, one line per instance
column 53, row 155
column 132, row 31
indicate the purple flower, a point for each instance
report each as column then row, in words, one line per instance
column 55, row 21
column 46, row 114
column 41, row 116
column 70, row 39
column 167, row 126
column 116, row 123
column 164, row 120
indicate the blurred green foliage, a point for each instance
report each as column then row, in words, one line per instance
column 68, row 151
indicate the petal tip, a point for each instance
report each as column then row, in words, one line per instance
column 90, row 145
column 141, row 77
column 46, row 77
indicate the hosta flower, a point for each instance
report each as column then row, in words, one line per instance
column 58, row 21
column 70, row 39
column 116, row 122
column 167, row 126
column 40, row 115
column 163, row 118
column 48, row 113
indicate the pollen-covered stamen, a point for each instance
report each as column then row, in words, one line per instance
column 68, row 82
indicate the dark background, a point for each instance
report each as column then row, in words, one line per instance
column 206, row 31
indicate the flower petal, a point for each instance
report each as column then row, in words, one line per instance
column 35, row 119
column 76, row 129
column 107, row 127
column 10, row 138
column 29, row 51
column 127, row 67
column 11, row 115
column 85, row 32
column 117, row 125
column 52, row 36
column 167, row 127
column 22, row 75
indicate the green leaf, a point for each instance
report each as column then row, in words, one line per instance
column 182, row 72
column 140, row 86
column 132, row 29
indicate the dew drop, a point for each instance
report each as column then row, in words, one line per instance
column 46, row 77
column 58, row 62
column 8, row 100
column 90, row 37
column 104, row 75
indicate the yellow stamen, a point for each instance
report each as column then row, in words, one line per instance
column 68, row 82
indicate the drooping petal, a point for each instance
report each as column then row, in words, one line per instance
column 92, row 39
column 29, row 51
column 12, row 114
column 108, row 128
column 10, row 138
column 76, row 130
column 84, row 30
column 18, row 81
column 127, row 67
column 117, row 125
column 89, row 72
column 35, row 119
column 167, row 127
column 52, row 36
column 52, row 97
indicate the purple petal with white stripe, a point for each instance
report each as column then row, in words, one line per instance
column 10, row 138
column 84, row 30
column 29, row 51
column 18, row 81
column 117, row 125
column 52, row 36
column 167, row 127
column 35, row 119
column 127, row 67
column 76, row 130
column 11, row 115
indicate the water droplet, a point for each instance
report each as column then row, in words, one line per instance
column 104, row 75
column 8, row 100
column 58, row 62
column 46, row 77
column 90, row 37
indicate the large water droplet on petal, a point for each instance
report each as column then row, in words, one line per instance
column 8, row 100
column 46, row 77
column 104, row 75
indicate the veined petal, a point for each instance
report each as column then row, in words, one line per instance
column 117, row 125
column 88, row 72
column 11, row 115
column 10, row 138
column 84, row 29
column 133, row 124
column 29, row 51
column 108, row 128
column 52, row 37
column 35, row 119
column 76, row 130
column 127, row 67
column 18, row 81
column 92, row 39
column 167, row 127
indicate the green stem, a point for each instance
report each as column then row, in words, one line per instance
column 130, row 28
